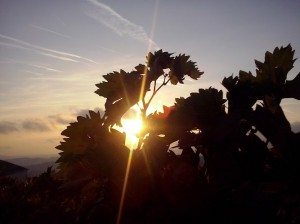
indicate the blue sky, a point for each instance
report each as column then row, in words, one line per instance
column 52, row 53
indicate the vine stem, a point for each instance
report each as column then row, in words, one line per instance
column 165, row 82
column 146, row 105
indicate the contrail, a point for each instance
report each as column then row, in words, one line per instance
column 120, row 25
column 32, row 64
column 50, row 31
column 13, row 45
column 18, row 46
column 60, row 55
column 34, row 73
column 46, row 68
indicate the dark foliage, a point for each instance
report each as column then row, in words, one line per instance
column 237, row 164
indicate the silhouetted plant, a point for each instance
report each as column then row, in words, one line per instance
column 238, row 159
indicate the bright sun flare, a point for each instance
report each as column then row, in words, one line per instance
column 131, row 127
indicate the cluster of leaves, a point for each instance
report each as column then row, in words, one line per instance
column 237, row 164
column 90, row 149
column 235, row 130
column 123, row 89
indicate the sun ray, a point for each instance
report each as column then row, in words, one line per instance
column 124, row 188
column 136, row 125
column 150, row 43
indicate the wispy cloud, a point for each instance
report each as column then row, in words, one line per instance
column 59, row 20
column 32, row 64
column 34, row 73
column 58, row 57
column 44, row 51
column 46, row 68
column 5, row 147
column 120, row 25
column 18, row 46
column 60, row 119
column 13, row 45
column 50, row 31
column 35, row 125
column 7, row 127
column 112, row 51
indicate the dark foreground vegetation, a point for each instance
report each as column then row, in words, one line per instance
column 239, row 160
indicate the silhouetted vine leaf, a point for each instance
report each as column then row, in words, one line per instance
column 268, row 84
column 122, row 91
column 142, row 69
column 182, row 66
column 242, row 92
column 246, row 76
column 90, row 147
column 229, row 82
column 276, row 65
column 80, row 134
column 157, row 62
column 291, row 88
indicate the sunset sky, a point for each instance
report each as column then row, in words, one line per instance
column 53, row 52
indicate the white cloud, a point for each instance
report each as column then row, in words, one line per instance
column 120, row 25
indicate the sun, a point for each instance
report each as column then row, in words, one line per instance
column 132, row 127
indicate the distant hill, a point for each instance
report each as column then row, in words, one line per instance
column 35, row 166
column 37, row 169
column 10, row 169
column 28, row 161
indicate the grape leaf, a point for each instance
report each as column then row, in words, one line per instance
column 291, row 88
column 90, row 147
column 182, row 66
column 122, row 91
column 276, row 65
